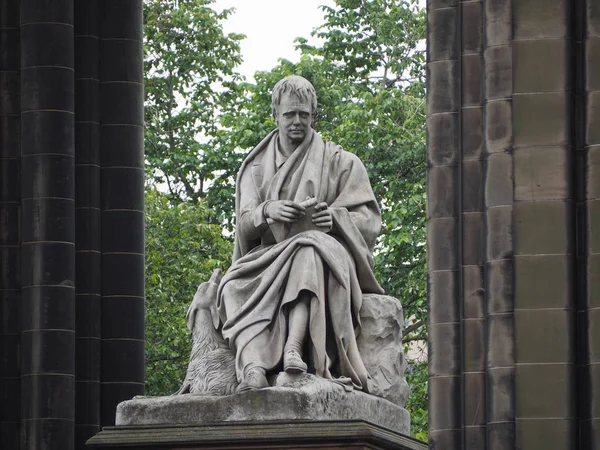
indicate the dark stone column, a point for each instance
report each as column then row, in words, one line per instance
column 71, row 219
column 541, row 215
column 48, row 234
column 88, row 222
column 122, row 161
column 466, row 381
column 544, row 236
column 10, row 199
column 586, row 27
column 473, row 223
column 498, row 194
column 444, row 225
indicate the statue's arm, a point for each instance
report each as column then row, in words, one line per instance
column 355, row 206
column 252, row 221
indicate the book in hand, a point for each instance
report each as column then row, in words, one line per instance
column 305, row 222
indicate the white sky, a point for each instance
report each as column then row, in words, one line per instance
column 270, row 27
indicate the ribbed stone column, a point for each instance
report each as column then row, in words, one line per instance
column 541, row 215
column 89, row 223
column 68, row 291
column 48, row 233
column 122, row 161
column 473, row 225
column 444, row 226
column 544, row 236
column 10, row 199
column 587, row 38
column 579, row 185
column 500, row 358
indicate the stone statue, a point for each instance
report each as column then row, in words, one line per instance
column 297, row 329
column 306, row 225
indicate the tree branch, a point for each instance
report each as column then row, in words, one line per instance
column 413, row 327
column 188, row 187
column 169, row 184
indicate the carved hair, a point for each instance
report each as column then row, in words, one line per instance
column 298, row 86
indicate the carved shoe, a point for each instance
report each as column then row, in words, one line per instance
column 254, row 379
column 292, row 362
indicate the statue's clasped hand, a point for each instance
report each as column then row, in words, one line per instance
column 322, row 218
column 287, row 210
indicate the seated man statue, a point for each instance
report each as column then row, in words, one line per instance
column 306, row 225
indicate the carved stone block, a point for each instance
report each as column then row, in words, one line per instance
column 380, row 345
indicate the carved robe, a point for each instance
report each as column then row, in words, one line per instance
column 273, row 263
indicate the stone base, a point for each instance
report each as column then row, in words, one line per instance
column 323, row 435
column 293, row 397
column 299, row 411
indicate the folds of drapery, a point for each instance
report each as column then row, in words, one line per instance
column 272, row 266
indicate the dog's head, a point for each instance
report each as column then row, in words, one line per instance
column 205, row 298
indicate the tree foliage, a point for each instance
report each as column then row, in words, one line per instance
column 182, row 250
column 416, row 405
column 189, row 65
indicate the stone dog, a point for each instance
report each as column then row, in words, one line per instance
column 211, row 370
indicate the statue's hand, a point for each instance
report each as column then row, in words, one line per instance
column 285, row 211
column 323, row 218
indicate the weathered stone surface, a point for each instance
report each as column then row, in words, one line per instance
column 380, row 345
column 294, row 397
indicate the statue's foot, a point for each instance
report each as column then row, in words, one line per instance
column 292, row 362
column 254, row 379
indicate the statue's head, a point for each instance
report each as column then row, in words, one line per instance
column 297, row 86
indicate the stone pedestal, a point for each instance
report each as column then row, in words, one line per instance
column 295, row 397
column 316, row 435
column 299, row 411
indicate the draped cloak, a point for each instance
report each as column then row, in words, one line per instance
column 272, row 264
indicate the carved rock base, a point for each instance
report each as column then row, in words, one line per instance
column 380, row 346
column 297, row 397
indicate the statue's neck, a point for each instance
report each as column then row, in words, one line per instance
column 286, row 147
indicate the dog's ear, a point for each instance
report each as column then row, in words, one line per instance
column 215, row 280
column 214, row 313
column 190, row 317
column 216, row 277
column 206, row 295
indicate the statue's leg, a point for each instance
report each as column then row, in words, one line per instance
column 254, row 376
column 297, row 330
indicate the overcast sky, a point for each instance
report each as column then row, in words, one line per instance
column 270, row 27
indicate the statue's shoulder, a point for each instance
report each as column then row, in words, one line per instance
column 338, row 155
column 254, row 157
column 336, row 151
column 333, row 148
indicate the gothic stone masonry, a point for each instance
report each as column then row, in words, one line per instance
column 71, row 218
column 514, row 224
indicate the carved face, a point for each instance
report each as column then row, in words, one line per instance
column 294, row 118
